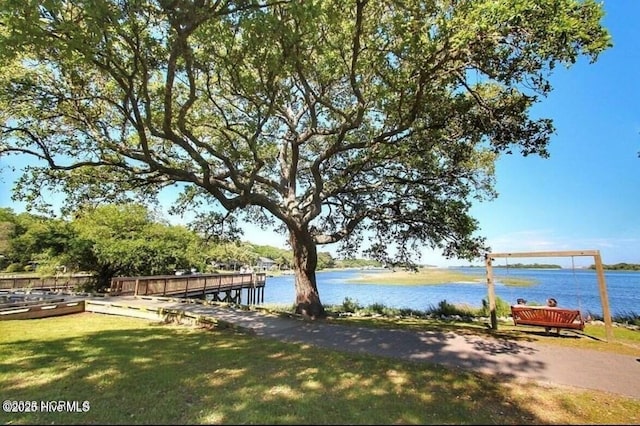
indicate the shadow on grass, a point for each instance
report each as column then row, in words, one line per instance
column 565, row 335
column 141, row 373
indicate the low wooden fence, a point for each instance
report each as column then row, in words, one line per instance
column 41, row 309
column 221, row 287
column 44, row 283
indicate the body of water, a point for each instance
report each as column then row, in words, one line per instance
column 572, row 289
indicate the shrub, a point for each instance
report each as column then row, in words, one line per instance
column 351, row 306
column 378, row 308
column 503, row 308
column 14, row 267
column 447, row 309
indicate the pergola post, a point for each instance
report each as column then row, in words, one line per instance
column 492, row 293
column 604, row 298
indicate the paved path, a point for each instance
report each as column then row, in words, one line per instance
column 581, row 368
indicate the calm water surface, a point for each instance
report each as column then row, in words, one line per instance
column 573, row 289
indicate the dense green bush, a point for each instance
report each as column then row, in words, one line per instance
column 503, row 308
column 379, row 309
column 351, row 306
column 445, row 308
column 14, row 267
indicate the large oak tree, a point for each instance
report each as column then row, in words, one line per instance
column 334, row 120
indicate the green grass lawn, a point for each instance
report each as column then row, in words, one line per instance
column 131, row 371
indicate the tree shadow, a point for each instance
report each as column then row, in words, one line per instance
column 151, row 374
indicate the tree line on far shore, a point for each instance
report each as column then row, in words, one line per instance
column 613, row 267
column 620, row 267
column 530, row 266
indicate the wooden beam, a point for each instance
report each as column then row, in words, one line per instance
column 547, row 253
column 604, row 298
column 492, row 294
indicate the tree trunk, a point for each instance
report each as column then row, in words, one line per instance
column 305, row 260
column 103, row 278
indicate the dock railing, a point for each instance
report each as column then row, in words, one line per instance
column 62, row 282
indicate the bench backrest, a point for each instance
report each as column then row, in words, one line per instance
column 547, row 317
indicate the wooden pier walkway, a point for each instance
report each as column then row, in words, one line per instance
column 214, row 287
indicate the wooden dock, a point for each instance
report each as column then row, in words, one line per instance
column 218, row 287
column 226, row 288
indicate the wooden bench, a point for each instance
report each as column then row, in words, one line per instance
column 547, row 317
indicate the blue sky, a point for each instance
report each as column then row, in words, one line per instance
column 586, row 196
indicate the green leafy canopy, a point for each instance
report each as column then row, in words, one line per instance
column 334, row 120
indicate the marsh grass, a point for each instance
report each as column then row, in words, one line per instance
column 421, row 277
column 516, row 281
column 431, row 276
column 132, row 371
